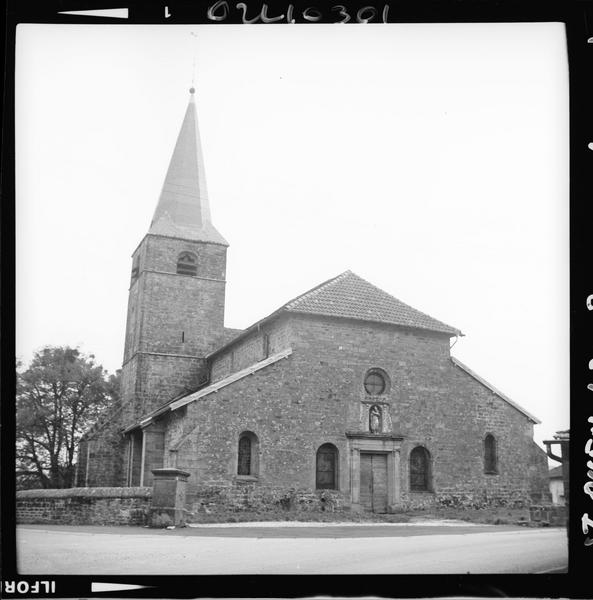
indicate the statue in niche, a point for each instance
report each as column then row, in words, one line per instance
column 375, row 419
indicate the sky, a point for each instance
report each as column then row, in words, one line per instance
column 430, row 159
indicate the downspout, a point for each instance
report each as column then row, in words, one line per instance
column 130, row 465
column 142, row 459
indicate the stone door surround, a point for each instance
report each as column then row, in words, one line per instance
column 377, row 444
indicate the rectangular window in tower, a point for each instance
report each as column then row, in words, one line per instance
column 266, row 345
column 135, row 268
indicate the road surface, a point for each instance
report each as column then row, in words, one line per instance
column 412, row 549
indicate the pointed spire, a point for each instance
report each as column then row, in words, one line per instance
column 183, row 209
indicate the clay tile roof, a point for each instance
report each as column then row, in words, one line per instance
column 352, row 297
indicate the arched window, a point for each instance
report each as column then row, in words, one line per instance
column 376, row 382
column 419, row 470
column 244, row 456
column 490, row 458
column 187, row 264
column 326, row 472
column 247, row 463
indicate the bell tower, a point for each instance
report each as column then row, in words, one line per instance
column 177, row 286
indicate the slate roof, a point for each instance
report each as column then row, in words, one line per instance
column 352, row 297
column 183, row 209
column 555, row 473
column 166, row 226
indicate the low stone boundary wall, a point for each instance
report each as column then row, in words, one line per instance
column 85, row 506
column 484, row 498
column 133, row 505
column 470, row 499
column 550, row 514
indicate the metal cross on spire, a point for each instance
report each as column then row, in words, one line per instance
column 183, row 209
column 193, row 66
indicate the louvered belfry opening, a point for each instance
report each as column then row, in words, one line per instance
column 419, row 470
column 187, row 264
column 135, row 268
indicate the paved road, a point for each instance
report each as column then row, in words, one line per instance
column 282, row 550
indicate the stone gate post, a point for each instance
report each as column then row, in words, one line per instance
column 168, row 497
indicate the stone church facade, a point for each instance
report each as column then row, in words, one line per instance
column 344, row 395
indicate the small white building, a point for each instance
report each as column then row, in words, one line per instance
column 557, row 485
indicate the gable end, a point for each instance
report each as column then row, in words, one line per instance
column 504, row 397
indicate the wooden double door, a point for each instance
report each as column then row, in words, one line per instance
column 373, row 482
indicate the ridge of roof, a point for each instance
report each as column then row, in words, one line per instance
column 496, row 391
column 349, row 295
column 316, row 289
column 292, row 306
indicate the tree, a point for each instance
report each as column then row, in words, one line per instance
column 59, row 396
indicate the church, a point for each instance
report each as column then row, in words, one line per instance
column 343, row 396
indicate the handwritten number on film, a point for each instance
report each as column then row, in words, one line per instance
column 586, row 522
column 219, row 11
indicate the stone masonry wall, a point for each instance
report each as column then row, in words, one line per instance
column 463, row 412
column 250, row 350
column 249, row 496
column 194, row 305
column 84, row 506
column 316, row 394
column 212, row 426
column 539, row 487
column 162, row 253
column 173, row 322
column 105, row 452
column 181, row 314
column 101, row 452
column 431, row 402
column 174, row 303
column 149, row 381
